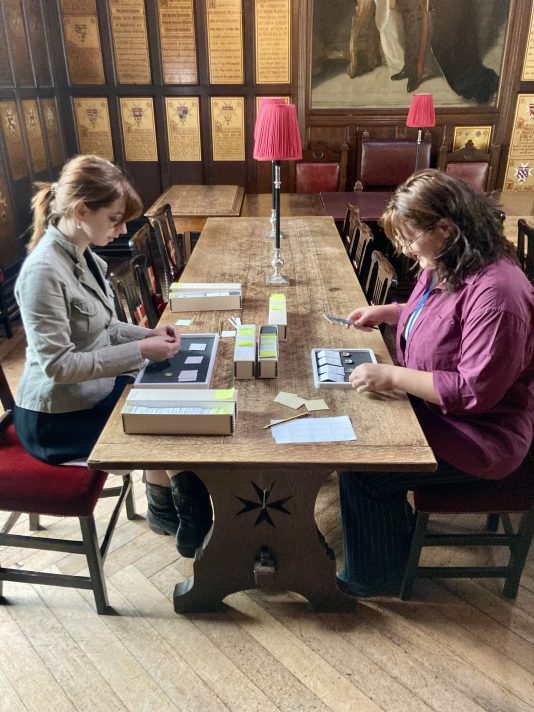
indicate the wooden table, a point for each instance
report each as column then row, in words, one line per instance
column 291, row 204
column 372, row 204
column 192, row 205
column 264, row 494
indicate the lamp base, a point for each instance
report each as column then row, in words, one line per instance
column 272, row 220
column 277, row 262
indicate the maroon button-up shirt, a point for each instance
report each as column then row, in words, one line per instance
column 479, row 345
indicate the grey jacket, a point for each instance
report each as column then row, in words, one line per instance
column 75, row 345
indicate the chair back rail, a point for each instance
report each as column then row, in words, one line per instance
column 380, row 279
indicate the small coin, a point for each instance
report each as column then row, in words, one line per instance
column 345, row 353
column 168, row 373
column 349, row 360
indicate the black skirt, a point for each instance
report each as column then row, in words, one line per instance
column 59, row 437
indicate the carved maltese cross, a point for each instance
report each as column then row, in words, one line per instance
column 263, row 505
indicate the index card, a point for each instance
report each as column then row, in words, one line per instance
column 292, row 400
column 193, row 359
column 184, row 322
column 317, row 404
column 187, row 375
column 228, row 334
column 197, row 347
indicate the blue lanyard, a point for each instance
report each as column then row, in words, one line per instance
column 413, row 316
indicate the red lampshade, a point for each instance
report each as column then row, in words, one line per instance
column 277, row 136
column 421, row 112
column 264, row 101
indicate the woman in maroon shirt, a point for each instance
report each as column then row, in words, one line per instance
column 465, row 350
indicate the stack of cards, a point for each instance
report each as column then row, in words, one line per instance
column 267, row 363
column 186, row 297
column 332, row 367
column 245, row 351
column 278, row 314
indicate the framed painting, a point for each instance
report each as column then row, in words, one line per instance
column 376, row 53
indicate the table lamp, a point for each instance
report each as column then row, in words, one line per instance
column 421, row 116
column 277, row 138
column 264, row 102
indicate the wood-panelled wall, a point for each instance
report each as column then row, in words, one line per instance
column 37, row 101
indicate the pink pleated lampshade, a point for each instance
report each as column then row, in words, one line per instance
column 421, row 112
column 266, row 100
column 277, row 134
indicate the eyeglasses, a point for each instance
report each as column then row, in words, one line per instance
column 405, row 244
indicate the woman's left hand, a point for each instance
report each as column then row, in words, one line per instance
column 372, row 377
column 169, row 330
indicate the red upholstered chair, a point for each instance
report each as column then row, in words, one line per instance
column 28, row 485
column 475, row 167
column 495, row 498
column 322, row 170
column 387, row 162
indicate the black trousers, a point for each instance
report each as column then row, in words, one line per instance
column 377, row 520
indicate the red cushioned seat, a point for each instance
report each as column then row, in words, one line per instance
column 28, row 485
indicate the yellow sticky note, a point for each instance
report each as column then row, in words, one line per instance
column 245, row 343
column 246, row 332
column 224, row 394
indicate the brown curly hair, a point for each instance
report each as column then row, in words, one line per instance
column 431, row 195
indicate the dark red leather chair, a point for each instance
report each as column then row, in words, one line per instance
column 322, row 169
column 477, row 168
column 388, row 162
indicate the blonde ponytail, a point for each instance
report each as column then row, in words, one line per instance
column 41, row 206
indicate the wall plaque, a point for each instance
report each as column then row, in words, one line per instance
column 78, row 7
column 139, row 129
column 12, row 130
column 94, row 131
column 228, row 128
column 20, row 54
column 479, row 135
column 520, row 169
column 9, row 248
column 34, row 133
column 183, row 128
column 52, row 129
column 225, row 41
column 130, row 43
column 84, row 55
column 37, row 42
column 272, row 25
column 6, row 78
column 528, row 66
column 177, row 41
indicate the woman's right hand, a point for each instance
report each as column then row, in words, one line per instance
column 367, row 317
column 159, row 348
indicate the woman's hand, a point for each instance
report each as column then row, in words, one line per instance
column 367, row 317
column 372, row 377
column 160, row 345
column 167, row 330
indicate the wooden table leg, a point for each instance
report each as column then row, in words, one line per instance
column 264, row 534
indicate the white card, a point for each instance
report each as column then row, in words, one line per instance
column 187, row 376
column 193, row 359
column 184, row 322
column 197, row 347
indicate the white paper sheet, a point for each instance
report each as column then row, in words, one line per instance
column 314, row 430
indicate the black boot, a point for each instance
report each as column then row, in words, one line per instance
column 192, row 502
column 161, row 515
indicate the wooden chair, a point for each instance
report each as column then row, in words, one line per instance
column 387, row 162
column 28, row 485
column 351, row 221
column 141, row 244
column 475, row 167
column 360, row 251
column 494, row 498
column 322, row 170
column 380, row 279
column 170, row 245
column 132, row 290
column 525, row 248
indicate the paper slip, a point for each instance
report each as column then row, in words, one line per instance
column 197, row 347
column 292, row 400
column 314, row 430
column 229, row 334
column 193, row 359
column 188, row 376
column 184, row 322
column 318, row 404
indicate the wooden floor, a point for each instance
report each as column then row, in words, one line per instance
column 458, row 646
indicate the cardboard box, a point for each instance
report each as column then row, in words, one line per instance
column 278, row 314
column 191, row 367
column 245, row 351
column 204, row 296
column 267, row 356
column 161, row 411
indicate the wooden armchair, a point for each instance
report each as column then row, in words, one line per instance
column 388, row 162
column 322, row 170
column 475, row 167
column 170, row 245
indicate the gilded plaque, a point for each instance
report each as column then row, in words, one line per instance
column 12, row 130
column 6, row 78
column 225, row 41
column 53, row 132
column 34, row 133
column 528, row 65
column 479, row 135
column 78, row 7
column 130, row 43
column 272, row 25
column 228, row 128
column 94, row 131
column 177, row 41
column 84, row 55
column 183, row 128
column 139, row 129
column 20, row 54
column 520, row 169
